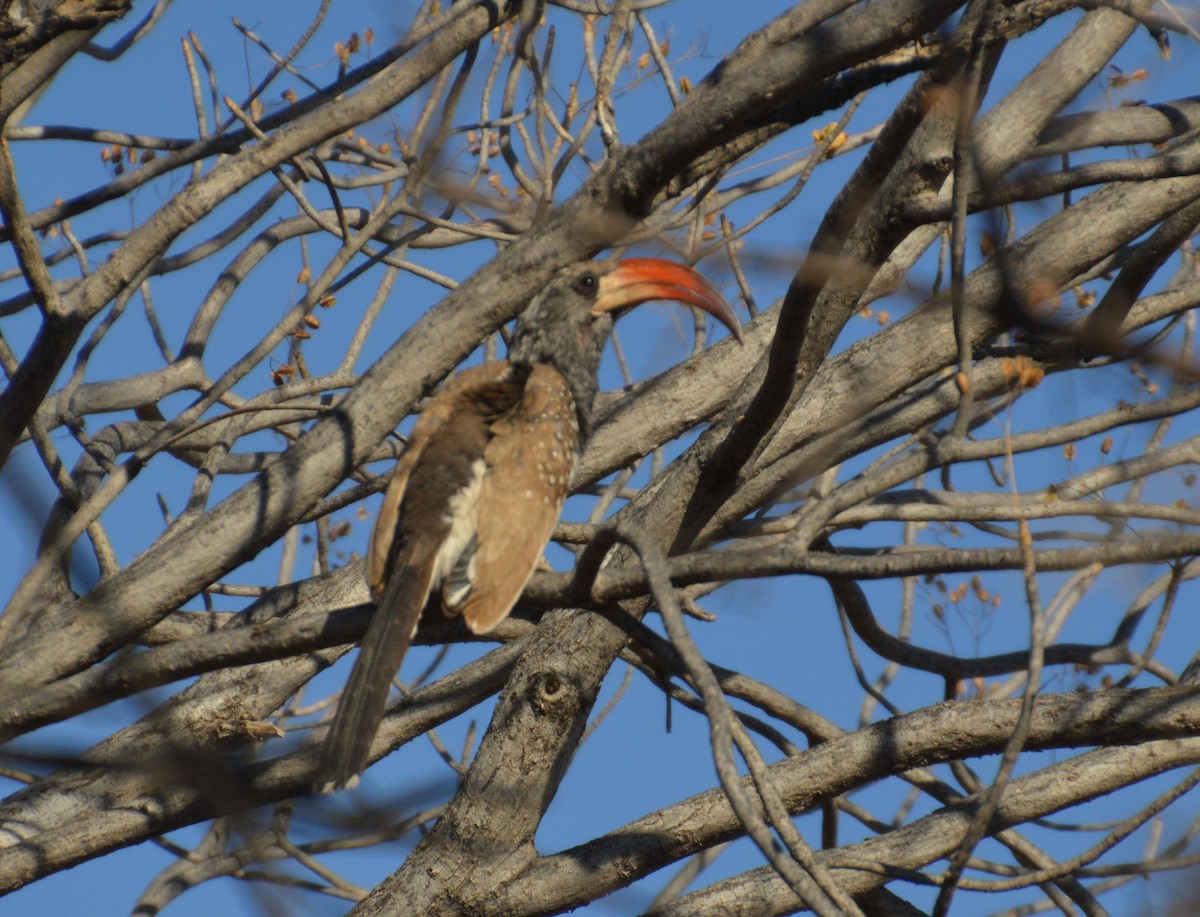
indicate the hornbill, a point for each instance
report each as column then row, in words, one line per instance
column 474, row 498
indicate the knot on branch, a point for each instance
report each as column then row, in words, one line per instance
column 551, row 693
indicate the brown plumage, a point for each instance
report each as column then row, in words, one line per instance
column 474, row 498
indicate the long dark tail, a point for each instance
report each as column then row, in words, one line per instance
column 344, row 754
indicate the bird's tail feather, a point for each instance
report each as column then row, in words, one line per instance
column 346, row 747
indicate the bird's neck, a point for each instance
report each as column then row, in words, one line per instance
column 584, row 393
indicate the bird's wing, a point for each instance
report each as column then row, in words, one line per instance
column 529, row 459
column 443, row 406
column 403, row 559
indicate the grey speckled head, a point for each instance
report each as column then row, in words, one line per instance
column 560, row 329
column 569, row 322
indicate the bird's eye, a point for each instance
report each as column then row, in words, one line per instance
column 586, row 282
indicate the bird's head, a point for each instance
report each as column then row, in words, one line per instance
column 569, row 322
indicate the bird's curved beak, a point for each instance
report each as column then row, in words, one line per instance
column 638, row 280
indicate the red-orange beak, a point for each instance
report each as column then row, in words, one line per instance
column 638, row 280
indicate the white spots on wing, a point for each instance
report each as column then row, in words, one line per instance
column 550, row 429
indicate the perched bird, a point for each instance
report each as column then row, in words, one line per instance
column 475, row 496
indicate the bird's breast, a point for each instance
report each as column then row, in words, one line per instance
column 453, row 568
